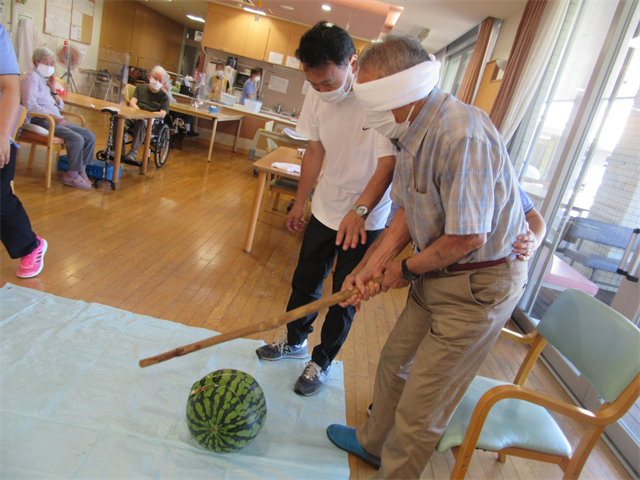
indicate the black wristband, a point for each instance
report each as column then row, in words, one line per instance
column 54, row 93
column 408, row 274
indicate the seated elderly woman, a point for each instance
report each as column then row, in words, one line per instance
column 149, row 97
column 40, row 96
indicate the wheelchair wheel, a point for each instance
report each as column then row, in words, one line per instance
column 163, row 146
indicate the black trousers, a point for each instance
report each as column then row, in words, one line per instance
column 317, row 255
column 15, row 227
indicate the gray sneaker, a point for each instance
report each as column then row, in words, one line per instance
column 311, row 380
column 281, row 349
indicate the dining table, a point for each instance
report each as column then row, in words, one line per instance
column 265, row 168
column 124, row 112
column 203, row 112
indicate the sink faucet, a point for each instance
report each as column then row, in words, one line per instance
column 278, row 108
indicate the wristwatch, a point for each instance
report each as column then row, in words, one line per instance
column 408, row 274
column 54, row 93
column 361, row 210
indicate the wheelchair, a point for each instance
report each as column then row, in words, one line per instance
column 160, row 145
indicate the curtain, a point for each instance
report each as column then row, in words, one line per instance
column 517, row 59
column 533, row 72
column 471, row 75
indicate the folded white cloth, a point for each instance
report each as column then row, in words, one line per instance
column 287, row 167
column 399, row 89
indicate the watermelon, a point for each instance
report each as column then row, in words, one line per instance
column 226, row 409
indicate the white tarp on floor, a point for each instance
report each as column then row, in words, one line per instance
column 75, row 404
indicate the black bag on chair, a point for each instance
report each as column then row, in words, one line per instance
column 186, row 90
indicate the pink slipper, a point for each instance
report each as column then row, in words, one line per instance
column 77, row 182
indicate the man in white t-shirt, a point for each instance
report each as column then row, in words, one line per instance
column 351, row 200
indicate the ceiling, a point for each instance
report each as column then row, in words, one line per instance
column 446, row 19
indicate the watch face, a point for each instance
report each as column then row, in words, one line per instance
column 362, row 210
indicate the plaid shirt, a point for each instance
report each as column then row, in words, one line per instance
column 453, row 175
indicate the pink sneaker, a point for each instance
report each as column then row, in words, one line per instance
column 31, row 265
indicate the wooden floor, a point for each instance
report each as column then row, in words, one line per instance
column 169, row 245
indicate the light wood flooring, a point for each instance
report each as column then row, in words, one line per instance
column 169, row 245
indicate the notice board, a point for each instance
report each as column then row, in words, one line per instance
column 70, row 19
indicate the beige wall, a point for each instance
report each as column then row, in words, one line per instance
column 90, row 51
column 506, row 37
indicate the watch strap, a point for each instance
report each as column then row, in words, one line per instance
column 408, row 274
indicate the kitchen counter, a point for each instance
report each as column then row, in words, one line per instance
column 291, row 121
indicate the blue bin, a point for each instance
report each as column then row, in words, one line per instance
column 94, row 170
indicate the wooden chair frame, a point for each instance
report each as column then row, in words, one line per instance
column 50, row 141
column 596, row 420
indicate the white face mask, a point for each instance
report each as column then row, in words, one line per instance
column 220, row 73
column 339, row 94
column 155, row 85
column 45, row 70
column 256, row 80
column 385, row 123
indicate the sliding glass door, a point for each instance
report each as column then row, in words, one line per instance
column 580, row 163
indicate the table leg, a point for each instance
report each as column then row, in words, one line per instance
column 213, row 136
column 235, row 145
column 255, row 211
column 118, row 152
column 147, row 147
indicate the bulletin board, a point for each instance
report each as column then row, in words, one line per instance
column 70, row 19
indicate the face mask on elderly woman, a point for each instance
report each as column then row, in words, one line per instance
column 45, row 70
column 155, row 85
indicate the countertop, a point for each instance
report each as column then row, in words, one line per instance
column 241, row 109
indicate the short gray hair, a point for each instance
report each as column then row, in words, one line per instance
column 395, row 53
column 40, row 52
column 160, row 70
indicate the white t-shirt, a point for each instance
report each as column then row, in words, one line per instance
column 352, row 150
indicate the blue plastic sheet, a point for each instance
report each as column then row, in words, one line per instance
column 75, row 404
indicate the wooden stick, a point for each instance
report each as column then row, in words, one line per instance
column 257, row 328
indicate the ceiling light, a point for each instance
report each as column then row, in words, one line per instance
column 326, row 8
column 196, row 19
column 634, row 42
column 257, row 12
column 286, row 7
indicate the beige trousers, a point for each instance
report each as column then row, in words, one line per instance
column 450, row 323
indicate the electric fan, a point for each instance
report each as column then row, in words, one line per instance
column 69, row 57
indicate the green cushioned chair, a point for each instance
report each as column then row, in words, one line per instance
column 511, row 419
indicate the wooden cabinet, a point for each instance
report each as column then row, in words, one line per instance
column 117, row 29
column 214, row 29
column 257, row 38
column 278, row 43
column 236, row 38
column 294, row 43
column 147, row 36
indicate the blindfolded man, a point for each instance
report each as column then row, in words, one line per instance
column 459, row 203
column 350, row 203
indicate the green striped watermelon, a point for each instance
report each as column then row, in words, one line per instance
column 226, row 410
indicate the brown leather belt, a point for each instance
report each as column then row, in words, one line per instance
column 459, row 267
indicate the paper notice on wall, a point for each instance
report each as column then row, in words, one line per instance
column 84, row 6
column 292, row 62
column 275, row 57
column 76, row 17
column 278, row 84
column 64, row 4
column 76, row 33
column 48, row 25
column 61, row 19
column 305, row 87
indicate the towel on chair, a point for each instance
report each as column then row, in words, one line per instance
column 287, row 167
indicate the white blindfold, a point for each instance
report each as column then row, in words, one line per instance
column 399, row 89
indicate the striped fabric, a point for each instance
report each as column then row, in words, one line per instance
column 453, row 175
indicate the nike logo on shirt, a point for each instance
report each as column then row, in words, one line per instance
column 365, row 128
